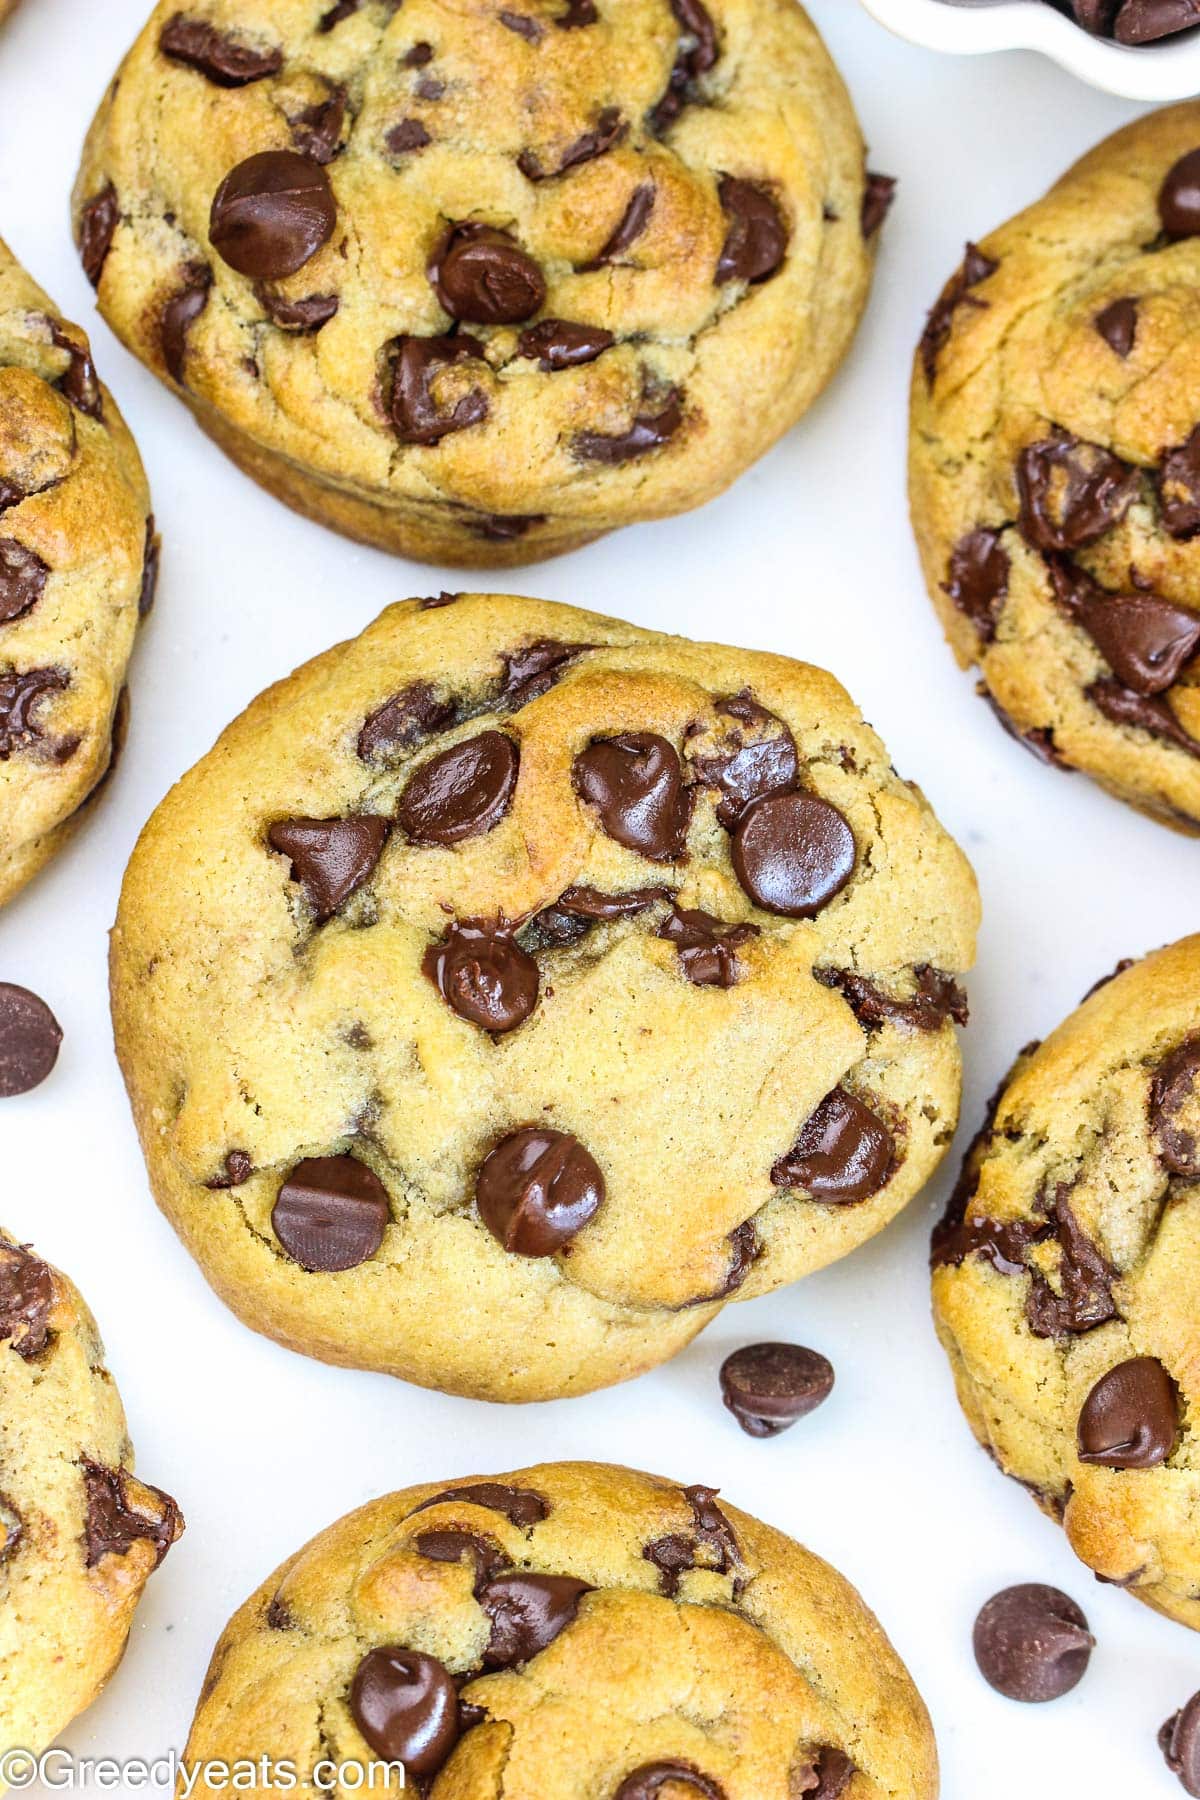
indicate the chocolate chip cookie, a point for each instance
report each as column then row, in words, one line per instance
column 1065, row 1278
column 79, row 1534
column 78, row 556
column 479, row 282
column 511, row 987
column 568, row 1631
column 1055, row 467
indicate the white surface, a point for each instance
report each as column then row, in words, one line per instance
column 1169, row 70
column 810, row 554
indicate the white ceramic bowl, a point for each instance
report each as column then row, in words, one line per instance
column 1166, row 71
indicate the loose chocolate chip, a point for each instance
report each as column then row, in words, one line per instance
column 1071, row 492
column 23, row 577
column 975, row 268
column 1179, row 197
column 456, row 1546
column 1130, row 1420
column 403, row 721
column 306, row 314
column 520, row 1506
column 978, row 579
column 406, row 1706
column 317, row 129
column 530, row 29
column 635, row 782
column 752, row 756
column 1032, row 1643
column 150, row 565
column 238, row 1168
column 833, row 1770
column 757, row 238
column 1121, row 706
column 527, row 1613
column 767, row 1387
column 649, row 431
column 1145, row 639
column 1117, row 325
column 563, row 343
column 272, row 213
column 793, row 852
column 98, row 222
column 648, row 1782
column 707, row 946
column 577, row 909
column 228, row 61
column 1179, row 489
column 1148, row 21
column 29, row 1039
column 878, row 196
column 480, row 275
column 845, row 1152
column 608, row 130
column 26, row 1287
column 1179, row 1741
column 461, row 792
column 330, row 1213
column 483, row 975
column 417, row 415
column 537, row 1189
column 180, row 313
column 114, row 1525
column 1174, row 1091
column 331, row 858
column 407, row 136
column 534, row 668
column 630, row 227
column 937, row 997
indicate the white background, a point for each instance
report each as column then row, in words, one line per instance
column 810, row 554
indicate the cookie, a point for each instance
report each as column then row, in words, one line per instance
column 479, row 282
column 78, row 557
column 511, row 987
column 1055, row 467
column 79, row 1533
column 568, row 1631
column 1064, row 1278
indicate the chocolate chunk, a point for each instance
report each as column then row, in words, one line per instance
column 26, row 1290
column 330, row 1213
column 1148, row 21
column 1117, row 325
column 563, row 343
column 938, row 997
column 1071, row 492
column 483, row 975
column 416, row 413
column 793, row 853
column 114, row 1524
column 1032, row 1643
column 98, row 222
column 978, row 579
column 1084, row 1297
column 480, row 275
column 180, row 313
column 1130, row 1420
column 577, row 909
column 1179, row 197
column 629, row 229
column 537, row 1189
column 1175, row 1090
column 317, row 129
column 757, row 238
column 707, row 946
column 1146, row 640
column 608, row 130
column 331, row 858
column 532, row 30
column 1179, row 489
column 272, row 213
column 649, row 431
column 406, row 1706
column 534, row 668
column 1139, row 712
column 527, row 1612
column 845, row 1152
column 23, row 577
column 635, row 782
column 674, row 1555
column 833, row 1770
column 1179, row 1741
column 974, row 269
column 407, row 136
column 237, row 1169
column 306, row 314
column 767, row 1387
column 752, row 756
column 461, row 792
column 456, row 1546
column 878, row 196
column 228, row 61
column 20, row 695
column 520, row 1506
column 648, row 1782
column 403, row 721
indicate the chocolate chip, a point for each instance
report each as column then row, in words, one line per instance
column 1071, row 492
column 1084, row 1297
column 236, row 1170
column 537, row 1189
column 608, row 130
column 649, row 431
column 845, row 1153
column 407, row 136
column 696, row 55
column 878, row 196
column 707, row 946
column 1179, row 197
column 461, row 792
column 330, row 1213
column 674, row 1555
column 480, row 275
column 793, row 852
column 403, row 721
column 577, row 14
column 406, row 1706
column 833, row 1770
column 150, row 565
column 228, row 61
column 1121, row 706
column 1117, row 325
column 331, row 858
column 1148, row 21
column 114, row 1523
column 974, row 269
column 563, row 343
column 1095, row 16
column 520, row 1506
column 767, row 1387
column 635, row 782
column 455, row 1546
column 530, row 29
column 341, row 9
column 278, row 1616
column 630, row 227
column 937, row 997
column 30, row 1036
column 12, row 1529
column 180, row 313
column 1178, row 483
column 1175, row 1090
column 1032, row 1643
column 1038, row 740
column 416, row 413
column 272, row 213
column 527, row 1613
column 80, row 385
column 418, row 56
column 504, row 528
column 757, row 238
column 306, row 314
column 1179, row 1741
column 577, row 909
column 23, row 577
column 1146, row 640
column 648, row 1782
column 483, row 975
column 978, row 579
column 317, row 129
column 98, row 222
column 533, row 669
column 752, row 756
column 26, row 1290
column 1130, row 1420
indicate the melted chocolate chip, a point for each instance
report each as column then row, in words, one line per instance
column 1179, row 197
column 533, row 669
column 407, row 136
column 80, row 385
column 150, row 566
column 1179, row 1741
column 563, row 344
column 577, row 909
column 1121, row 706
column 1146, row 640
column 23, row 577
column 221, row 58
column 937, row 997
column 768, row 1387
column 331, row 858
column 406, row 1706
column 1130, row 1420
column 757, row 238
column 537, row 1189
column 237, row 1169
column 608, row 130
column 26, row 1296
column 272, row 213
column 341, row 9
column 180, row 313
column 697, row 54
column 648, row 1782
column 317, row 129
column 1032, row 1643
column 707, row 946
column 752, row 756
column 673, row 1556
column 504, row 528
column 278, row 1615
column 833, row 1770
column 878, row 196
column 456, row 1546
column 330, row 1213
column 1039, row 740
column 793, row 852
column 1117, row 325
column 527, row 1612
column 403, row 721
column 1179, row 489
column 20, row 696
column 461, row 792
column 845, row 1153
column 483, row 975
column 629, row 228
column 520, row 1506
column 481, row 276
column 1083, row 1298
column 532, row 30
column 417, row 414
column 98, row 222
column 978, row 579
column 649, row 431
column 306, row 314
column 975, row 268
column 635, row 782
column 1175, row 1090
column 113, row 1523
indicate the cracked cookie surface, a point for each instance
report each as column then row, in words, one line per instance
column 1065, row 1286
column 78, row 558
column 567, row 1631
column 1055, row 467
column 479, row 282
column 79, row 1534
column 511, row 987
